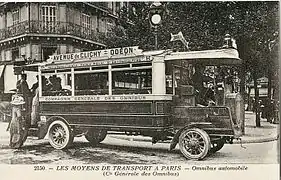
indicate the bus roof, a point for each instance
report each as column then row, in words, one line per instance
column 208, row 57
column 127, row 55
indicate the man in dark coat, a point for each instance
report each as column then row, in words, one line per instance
column 22, row 88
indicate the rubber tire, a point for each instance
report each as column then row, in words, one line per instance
column 95, row 136
column 206, row 140
column 68, row 135
column 215, row 148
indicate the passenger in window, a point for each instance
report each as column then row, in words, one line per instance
column 57, row 84
column 34, row 87
column 52, row 80
column 49, row 84
column 46, row 85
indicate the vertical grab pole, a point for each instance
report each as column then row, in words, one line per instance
column 72, row 82
column 40, row 81
column 109, row 80
column 158, row 76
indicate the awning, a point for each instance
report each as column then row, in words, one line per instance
column 2, row 67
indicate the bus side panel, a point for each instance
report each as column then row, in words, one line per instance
column 111, row 115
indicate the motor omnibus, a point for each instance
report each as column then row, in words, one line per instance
column 135, row 92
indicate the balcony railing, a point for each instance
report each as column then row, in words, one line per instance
column 59, row 28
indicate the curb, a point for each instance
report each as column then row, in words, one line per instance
column 260, row 140
column 140, row 139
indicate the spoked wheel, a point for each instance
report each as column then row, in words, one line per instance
column 95, row 136
column 60, row 135
column 194, row 143
column 216, row 145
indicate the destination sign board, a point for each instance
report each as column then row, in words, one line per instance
column 128, row 60
column 108, row 53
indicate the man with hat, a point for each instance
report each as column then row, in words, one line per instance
column 23, row 89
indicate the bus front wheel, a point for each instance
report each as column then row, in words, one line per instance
column 60, row 135
column 194, row 143
column 95, row 136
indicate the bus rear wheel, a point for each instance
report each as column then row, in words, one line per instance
column 194, row 143
column 95, row 136
column 60, row 135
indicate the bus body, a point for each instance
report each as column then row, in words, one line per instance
column 139, row 93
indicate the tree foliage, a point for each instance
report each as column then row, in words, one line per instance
column 204, row 24
column 254, row 25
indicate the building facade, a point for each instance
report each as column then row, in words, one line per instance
column 32, row 31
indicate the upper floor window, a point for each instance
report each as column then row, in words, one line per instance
column 49, row 17
column 16, row 17
column 86, row 21
column 110, row 26
column 49, row 14
column 118, row 7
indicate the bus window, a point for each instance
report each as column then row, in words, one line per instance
column 169, row 78
column 91, row 83
column 56, row 85
column 132, row 81
column 181, row 73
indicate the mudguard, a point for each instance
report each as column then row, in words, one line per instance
column 215, row 120
column 44, row 126
column 199, row 125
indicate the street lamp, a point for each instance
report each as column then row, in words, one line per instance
column 155, row 18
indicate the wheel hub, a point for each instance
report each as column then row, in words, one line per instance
column 194, row 143
column 58, row 134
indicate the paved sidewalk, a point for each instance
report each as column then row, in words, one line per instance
column 267, row 132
